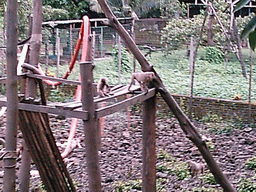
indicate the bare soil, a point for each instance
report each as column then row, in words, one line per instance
column 121, row 160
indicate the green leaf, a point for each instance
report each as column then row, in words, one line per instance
column 248, row 28
column 252, row 40
column 241, row 4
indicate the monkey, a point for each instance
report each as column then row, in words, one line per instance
column 103, row 87
column 195, row 168
column 143, row 79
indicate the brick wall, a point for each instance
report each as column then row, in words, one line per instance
column 202, row 107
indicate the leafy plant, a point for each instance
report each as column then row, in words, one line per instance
column 251, row 163
column 246, row 185
column 181, row 171
column 127, row 186
column 210, row 145
column 121, row 186
column 164, row 155
column 208, row 178
column 211, row 117
column 170, row 165
column 214, row 55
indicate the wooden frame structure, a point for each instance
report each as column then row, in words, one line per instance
column 88, row 107
column 89, row 112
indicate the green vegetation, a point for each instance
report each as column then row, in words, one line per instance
column 216, row 80
column 172, row 166
column 214, row 55
column 208, row 178
column 246, row 185
column 203, row 189
column 251, row 163
column 121, row 186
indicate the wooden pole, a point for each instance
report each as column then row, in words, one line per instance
column 250, row 88
column 119, row 59
column 101, row 41
column 90, row 128
column 71, row 40
column 149, row 145
column 192, row 67
column 133, row 37
column 12, row 98
column 58, row 52
column 46, row 55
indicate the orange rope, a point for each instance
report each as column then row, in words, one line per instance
column 78, row 95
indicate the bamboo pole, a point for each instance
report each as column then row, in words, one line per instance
column 186, row 125
column 12, row 98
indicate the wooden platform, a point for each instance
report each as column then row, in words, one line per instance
column 74, row 109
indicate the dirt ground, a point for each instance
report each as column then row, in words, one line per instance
column 121, row 160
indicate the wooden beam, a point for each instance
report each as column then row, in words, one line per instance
column 123, row 104
column 65, row 81
column 78, row 113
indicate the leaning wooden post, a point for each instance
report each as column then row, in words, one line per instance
column 90, row 127
column 149, row 145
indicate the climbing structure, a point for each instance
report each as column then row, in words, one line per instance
column 35, row 125
column 87, row 111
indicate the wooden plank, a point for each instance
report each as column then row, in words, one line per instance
column 65, row 81
column 123, row 104
column 69, row 106
column 78, row 113
column 117, row 93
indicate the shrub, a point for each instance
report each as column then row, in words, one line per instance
column 246, row 185
column 208, row 178
column 214, row 55
column 251, row 163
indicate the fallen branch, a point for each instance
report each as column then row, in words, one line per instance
column 185, row 123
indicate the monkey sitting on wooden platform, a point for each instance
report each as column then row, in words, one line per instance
column 103, row 88
column 195, row 168
column 143, row 79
